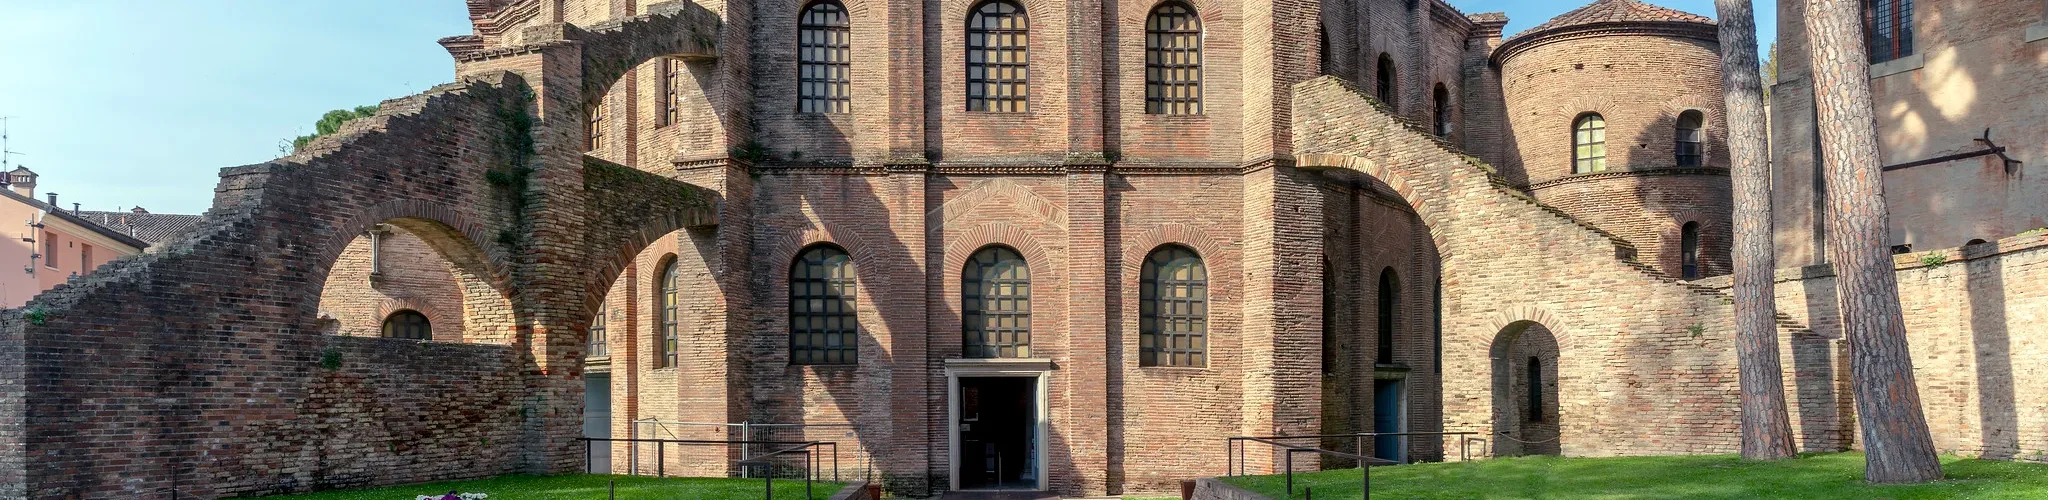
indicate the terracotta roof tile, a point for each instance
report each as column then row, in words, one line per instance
column 1618, row 11
column 148, row 227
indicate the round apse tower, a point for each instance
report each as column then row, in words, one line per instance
column 1616, row 114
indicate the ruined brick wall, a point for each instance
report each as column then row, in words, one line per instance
column 408, row 275
column 1974, row 66
column 1974, row 321
column 1634, row 378
column 232, row 337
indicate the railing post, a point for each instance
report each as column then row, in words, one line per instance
column 747, row 434
column 1358, row 441
column 807, row 476
column 586, row 456
column 660, row 459
column 1290, row 473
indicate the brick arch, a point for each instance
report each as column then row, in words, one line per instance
column 623, row 253
column 1432, row 220
column 1035, row 12
column 1171, row 233
column 785, row 248
column 1203, row 10
column 1510, row 321
column 611, row 49
column 995, row 233
column 464, row 242
column 1571, row 111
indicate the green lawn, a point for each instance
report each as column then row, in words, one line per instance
column 587, row 487
column 1833, row 475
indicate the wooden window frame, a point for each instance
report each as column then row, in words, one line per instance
column 1173, row 60
column 824, row 315
column 1174, row 325
column 824, row 58
column 998, row 47
column 995, row 304
column 1589, row 144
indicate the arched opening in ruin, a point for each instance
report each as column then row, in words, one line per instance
column 415, row 279
column 1525, row 391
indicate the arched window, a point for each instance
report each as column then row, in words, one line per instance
column 995, row 303
column 1329, row 319
column 1690, row 138
column 1535, row 376
column 1173, row 60
column 823, row 326
column 1689, row 250
column 1386, row 77
column 408, row 324
column 1323, row 62
column 1390, row 298
column 1974, row 241
column 598, row 340
column 824, row 59
column 1173, row 302
column 665, row 340
column 593, row 128
column 1442, row 98
column 1589, row 144
column 998, row 58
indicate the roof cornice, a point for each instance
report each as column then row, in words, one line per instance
column 1676, row 29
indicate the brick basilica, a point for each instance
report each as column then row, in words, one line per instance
column 982, row 244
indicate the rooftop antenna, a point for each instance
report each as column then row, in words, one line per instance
column 5, row 152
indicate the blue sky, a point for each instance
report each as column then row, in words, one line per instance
column 120, row 103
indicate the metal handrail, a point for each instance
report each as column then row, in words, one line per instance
column 768, row 476
column 1234, row 461
column 661, row 445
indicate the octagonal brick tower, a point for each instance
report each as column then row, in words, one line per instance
column 1616, row 113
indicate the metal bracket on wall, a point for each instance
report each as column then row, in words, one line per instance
column 2012, row 166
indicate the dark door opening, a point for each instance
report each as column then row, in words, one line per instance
column 1387, row 406
column 998, row 424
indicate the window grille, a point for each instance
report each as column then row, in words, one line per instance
column 1173, row 60
column 1387, row 81
column 824, row 59
column 665, row 346
column 823, row 326
column 594, row 129
column 408, row 324
column 1174, row 309
column 597, row 332
column 1589, row 145
column 1689, row 250
column 995, row 299
column 1889, row 24
column 998, row 58
column 1691, row 139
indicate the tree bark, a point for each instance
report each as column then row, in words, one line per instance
column 1895, row 438
column 1766, row 428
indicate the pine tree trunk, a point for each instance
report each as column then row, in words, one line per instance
column 1880, row 365
column 1766, row 428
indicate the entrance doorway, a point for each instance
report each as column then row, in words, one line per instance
column 1389, row 414
column 597, row 420
column 998, row 433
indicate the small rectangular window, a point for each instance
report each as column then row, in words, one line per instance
column 85, row 258
column 1888, row 24
column 50, row 250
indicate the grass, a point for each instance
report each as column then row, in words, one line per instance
column 587, row 487
column 1815, row 476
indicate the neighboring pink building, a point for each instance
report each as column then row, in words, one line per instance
column 53, row 245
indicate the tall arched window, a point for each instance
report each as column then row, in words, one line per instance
column 1329, row 319
column 1689, row 250
column 1173, row 302
column 1323, row 55
column 1173, row 60
column 824, row 328
column 1691, row 138
column 998, row 58
column 1535, row 377
column 1442, row 98
column 666, row 339
column 408, row 324
column 598, row 339
column 1390, row 298
column 995, row 303
column 1387, row 80
column 593, row 127
column 824, row 59
column 1589, row 144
